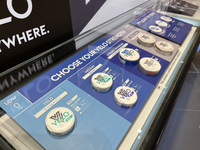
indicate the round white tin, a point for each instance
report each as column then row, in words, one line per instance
column 60, row 121
column 146, row 40
column 155, row 28
column 161, row 23
column 164, row 48
column 125, row 96
column 165, row 18
column 128, row 56
column 101, row 82
column 149, row 66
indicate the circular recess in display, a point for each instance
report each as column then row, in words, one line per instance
column 60, row 121
column 155, row 28
column 149, row 66
column 101, row 82
column 125, row 96
column 146, row 40
column 161, row 23
column 165, row 18
column 128, row 56
column 164, row 48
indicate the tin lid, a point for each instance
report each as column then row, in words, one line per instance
column 125, row 96
column 128, row 56
column 149, row 66
column 165, row 18
column 161, row 23
column 155, row 28
column 60, row 121
column 101, row 82
column 146, row 40
column 164, row 47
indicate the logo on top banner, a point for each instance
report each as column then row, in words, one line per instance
column 16, row 14
column 23, row 37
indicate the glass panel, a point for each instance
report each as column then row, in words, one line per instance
column 138, row 124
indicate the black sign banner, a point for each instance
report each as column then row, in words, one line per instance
column 29, row 27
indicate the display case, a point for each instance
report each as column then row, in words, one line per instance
column 115, row 91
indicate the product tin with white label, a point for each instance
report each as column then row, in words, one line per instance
column 155, row 29
column 125, row 96
column 161, row 23
column 128, row 56
column 60, row 121
column 146, row 40
column 166, row 18
column 149, row 66
column 164, row 48
column 101, row 82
